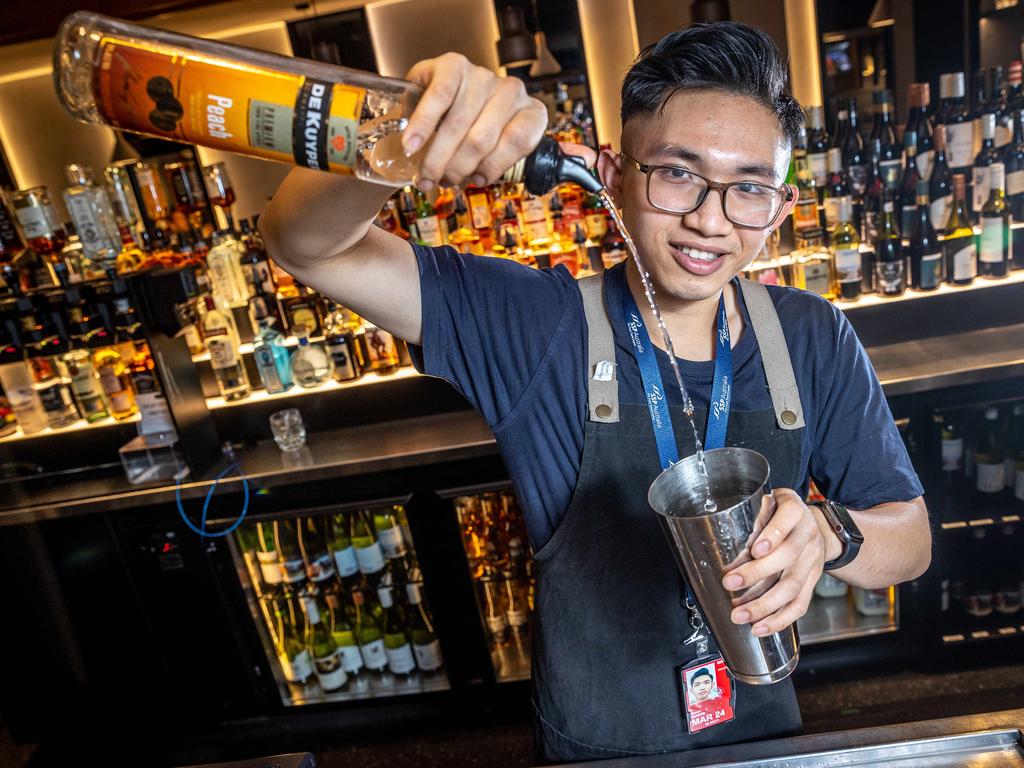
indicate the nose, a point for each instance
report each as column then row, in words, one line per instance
column 709, row 217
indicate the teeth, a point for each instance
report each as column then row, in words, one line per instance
column 696, row 253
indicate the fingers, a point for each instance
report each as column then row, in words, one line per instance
column 442, row 78
column 788, row 599
column 779, row 545
column 518, row 139
column 588, row 154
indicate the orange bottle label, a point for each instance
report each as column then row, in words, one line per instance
column 224, row 104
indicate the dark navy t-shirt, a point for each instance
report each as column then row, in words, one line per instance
column 513, row 341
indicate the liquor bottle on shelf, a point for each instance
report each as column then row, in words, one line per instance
column 845, row 246
column 224, row 268
column 311, row 366
column 595, row 217
column 343, row 633
column 50, row 380
column 368, row 551
column 959, row 127
column 273, row 360
column 130, row 257
column 85, row 385
column 389, row 531
column 189, row 194
column 368, row 633
column 16, row 380
column 341, row 346
column 988, row 455
column 871, row 602
column 290, row 641
column 994, row 242
column 328, row 660
column 495, row 609
column 805, row 212
column 222, row 340
column 890, row 160
column 425, row 646
column 116, row 382
column 983, row 162
column 890, row 270
column 951, row 441
column 517, row 612
column 397, row 647
column 908, row 185
column 926, row 262
column 383, row 350
column 919, row 121
column 313, row 544
column 286, row 543
column 151, row 190
column 998, row 105
column 836, row 190
column 428, row 225
column 871, row 202
column 817, row 144
column 1013, row 159
column 959, row 244
column 268, row 558
column 940, row 183
column 855, row 159
column 979, row 106
column 92, row 214
column 842, row 124
column 301, row 310
column 10, row 239
column 44, row 235
column 613, row 246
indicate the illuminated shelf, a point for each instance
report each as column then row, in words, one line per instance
column 836, row 618
column 996, row 633
column 944, row 289
column 77, row 426
column 981, row 522
column 261, row 395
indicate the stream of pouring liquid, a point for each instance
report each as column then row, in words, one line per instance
column 709, row 503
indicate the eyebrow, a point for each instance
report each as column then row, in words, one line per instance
column 686, row 155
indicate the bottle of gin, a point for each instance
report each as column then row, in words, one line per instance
column 311, row 365
column 92, row 214
column 222, row 341
column 273, row 362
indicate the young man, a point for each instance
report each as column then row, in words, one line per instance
column 708, row 125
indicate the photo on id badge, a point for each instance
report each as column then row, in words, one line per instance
column 707, row 694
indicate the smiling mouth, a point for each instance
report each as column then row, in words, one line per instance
column 697, row 253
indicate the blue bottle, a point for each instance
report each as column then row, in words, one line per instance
column 272, row 359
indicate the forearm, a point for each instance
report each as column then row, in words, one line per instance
column 315, row 215
column 897, row 544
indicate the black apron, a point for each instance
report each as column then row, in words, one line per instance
column 610, row 623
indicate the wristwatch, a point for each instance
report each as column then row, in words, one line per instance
column 841, row 522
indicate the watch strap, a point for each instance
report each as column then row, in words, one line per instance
column 849, row 536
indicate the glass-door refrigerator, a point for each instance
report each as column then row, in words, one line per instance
column 337, row 598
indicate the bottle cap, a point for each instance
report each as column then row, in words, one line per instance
column 959, row 185
column 956, row 85
column 815, row 116
column 882, row 97
column 988, row 126
column 835, row 159
column 910, row 141
column 939, row 138
column 920, row 95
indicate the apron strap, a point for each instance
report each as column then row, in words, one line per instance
column 602, row 382
column 778, row 367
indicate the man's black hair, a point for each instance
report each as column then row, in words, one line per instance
column 702, row 671
column 725, row 56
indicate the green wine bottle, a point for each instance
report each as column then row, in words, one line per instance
column 286, row 541
column 344, row 634
column 368, row 634
column 328, row 662
column 369, row 555
column 389, row 531
column 267, row 557
column 425, row 645
column 292, row 653
column 313, row 543
column 396, row 639
column 345, row 562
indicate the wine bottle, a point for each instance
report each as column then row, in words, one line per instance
column 959, row 126
column 845, row 246
column 222, row 340
column 836, row 189
column 890, row 159
column 396, row 639
column 364, row 539
column 919, row 122
column 926, row 263
column 994, row 243
column 368, row 634
column 908, row 184
column 290, row 641
column 313, row 543
column 345, row 562
column 983, row 162
column 855, row 159
column 328, row 661
column 343, row 633
column 389, row 532
column 268, row 558
column 286, row 542
column 890, row 269
column 988, row 455
column 1013, row 159
column 425, row 645
column 940, row 184
column 959, row 245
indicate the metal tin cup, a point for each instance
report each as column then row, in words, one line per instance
column 707, row 545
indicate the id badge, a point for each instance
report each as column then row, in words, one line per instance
column 709, row 698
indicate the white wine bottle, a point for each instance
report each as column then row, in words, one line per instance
column 364, row 539
column 328, row 661
column 266, row 555
column 345, row 562
column 368, row 634
column 344, row 634
column 389, row 531
column 425, row 645
column 286, row 542
column 397, row 647
column 292, row 653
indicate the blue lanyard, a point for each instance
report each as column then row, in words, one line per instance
column 657, row 404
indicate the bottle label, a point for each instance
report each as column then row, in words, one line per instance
column 890, row 276
column 370, row 559
column 889, row 170
column 303, row 316
column 413, row 593
column 382, row 347
column 34, row 221
column 533, row 210
column 374, row 655
column 805, row 215
column 959, row 144
column 952, row 454
column 908, row 217
column 857, row 176
column 156, row 416
column 344, row 365
column 429, row 229
column 535, row 230
column 428, row 657
column 83, row 383
column 597, row 225
column 816, row 278
column 992, row 250
column 269, row 567
column 109, row 380
column 351, row 659
column 55, row 397
column 391, row 543
column 965, row 262
column 345, row 561
column 400, row 660
column 1014, row 183
column 297, row 668
column 480, row 211
column 1004, row 134
column 330, row 671
column 940, row 208
column 832, row 206
column 229, row 105
column 931, row 270
column 819, row 167
column 990, row 478
column 321, row 567
column 86, row 223
column 222, row 351
column 925, row 160
column 980, row 180
column 266, row 367
column 294, row 571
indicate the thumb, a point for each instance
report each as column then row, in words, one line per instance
column 579, row 150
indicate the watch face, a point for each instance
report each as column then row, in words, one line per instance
column 842, row 516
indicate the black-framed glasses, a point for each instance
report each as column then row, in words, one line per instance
column 748, row 204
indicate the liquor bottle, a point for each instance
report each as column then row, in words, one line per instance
column 428, row 225
column 259, row 281
column 290, row 641
column 842, row 124
column 983, row 162
column 311, row 366
column 224, row 268
column 817, row 145
column 595, row 216
column 345, row 562
column 273, row 361
column 44, row 232
column 301, row 310
column 845, row 247
column 959, row 127
column 908, row 185
column 222, row 340
column 920, row 123
column 130, row 257
column 341, row 346
column 890, row 160
column 495, row 613
column 836, row 190
column 480, row 201
column 85, row 385
column 153, row 199
column 535, row 219
column 926, row 262
column 92, row 214
column 328, row 661
column 368, row 633
column 517, row 612
column 189, row 194
column 940, row 185
column 855, row 160
column 10, row 239
column 313, row 544
column 952, row 446
column 425, row 646
column 988, row 455
column 49, row 379
column 363, row 535
column 1013, row 159
column 268, row 558
column 959, row 244
column 890, row 269
column 396, row 637
column 382, row 349
column 805, row 212
column 343, row 633
column 286, row 542
column 812, row 268
column 874, row 196
column 115, row 382
column 153, row 409
column 999, row 106
column 979, row 107
column 613, row 246
column 16, row 380
column 994, row 242
column 389, row 532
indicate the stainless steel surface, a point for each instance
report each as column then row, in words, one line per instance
column 956, row 359
column 706, row 545
column 836, row 618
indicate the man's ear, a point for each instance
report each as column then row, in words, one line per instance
column 609, row 168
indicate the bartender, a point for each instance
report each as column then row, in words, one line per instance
column 708, row 127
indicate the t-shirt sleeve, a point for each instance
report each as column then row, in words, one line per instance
column 487, row 324
column 858, row 458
